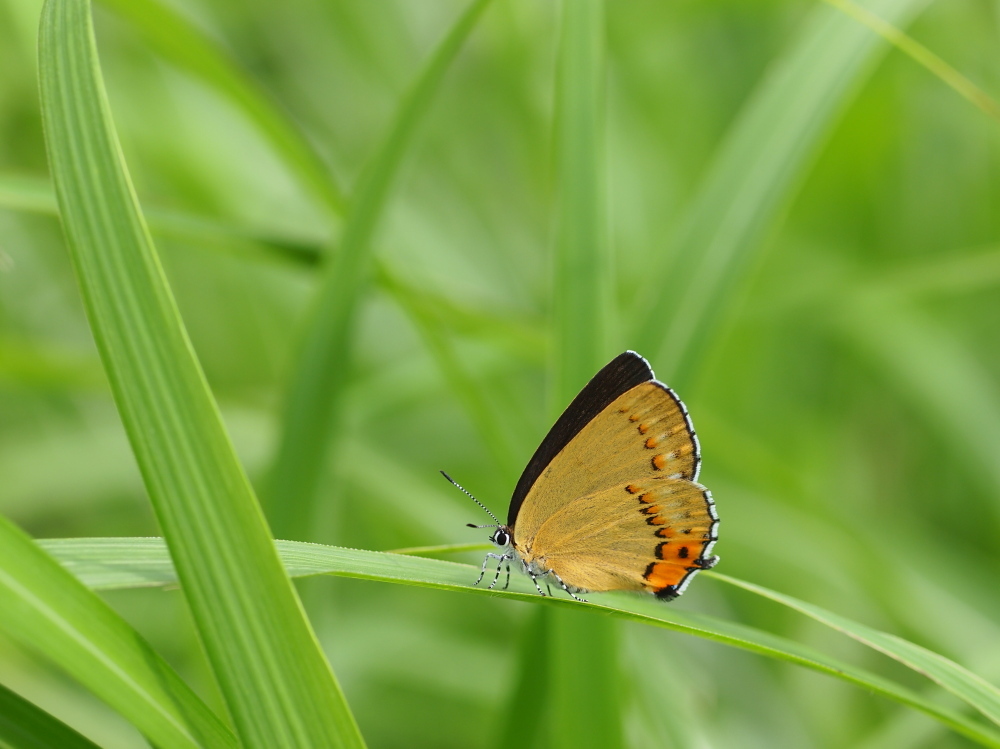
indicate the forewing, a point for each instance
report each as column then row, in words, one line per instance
column 650, row 534
column 643, row 433
column 618, row 376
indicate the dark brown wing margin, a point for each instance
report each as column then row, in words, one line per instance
column 619, row 375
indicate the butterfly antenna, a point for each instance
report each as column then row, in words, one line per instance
column 469, row 494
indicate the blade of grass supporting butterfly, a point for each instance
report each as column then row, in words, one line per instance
column 130, row 562
column 50, row 612
column 582, row 649
column 179, row 41
column 753, row 177
column 277, row 684
column 23, row 725
column 959, row 681
column 311, row 412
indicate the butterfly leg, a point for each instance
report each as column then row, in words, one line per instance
column 535, row 581
column 566, row 587
column 506, row 584
column 486, row 561
column 502, row 558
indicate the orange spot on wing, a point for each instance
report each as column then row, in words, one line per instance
column 633, row 489
column 633, row 417
column 663, row 574
column 643, row 428
column 667, row 532
column 651, row 443
column 657, row 520
column 659, row 461
column 651, row 510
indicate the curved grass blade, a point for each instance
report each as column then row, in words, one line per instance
column 33, row 194
column 755, row 172
column 277, row 684
column 311, row 413
column 49, row 611
column 24, row 725
column 107, row 563
column 922, row 56
column 959, row 681
column 180, row 42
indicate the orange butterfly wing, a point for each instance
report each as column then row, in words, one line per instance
column 652, row 534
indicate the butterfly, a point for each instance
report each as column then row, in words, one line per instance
column 609, row 500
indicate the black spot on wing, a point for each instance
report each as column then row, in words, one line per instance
column 620, row 375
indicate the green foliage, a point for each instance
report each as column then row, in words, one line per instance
column 24, row 726
column 794, row 221
column 277, row 684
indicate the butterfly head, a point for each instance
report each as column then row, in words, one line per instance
column 502, row 536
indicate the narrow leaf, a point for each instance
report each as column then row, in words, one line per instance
column 586, row 688
column 753, row 177
column 311, row 414
column 129, row 562
column 277, row 684
column 959, row 681
column 922, row 56
column 26, row 726
column 49, row 611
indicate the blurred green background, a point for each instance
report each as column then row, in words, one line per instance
column 847, row 401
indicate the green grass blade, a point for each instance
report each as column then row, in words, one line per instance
column 922, row 56
column 517, row 726
column 277, row 684
column 582, row 309
column 107, row 563
column 180, row 42
column 26, row 726
column 49, row 611
column 311, row 412
column 586, row 687
column 959, row 681
column 35, row 195
column 755, row 173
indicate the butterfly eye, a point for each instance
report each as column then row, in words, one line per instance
column 500, row 538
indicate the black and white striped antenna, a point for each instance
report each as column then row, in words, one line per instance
column 469, row 494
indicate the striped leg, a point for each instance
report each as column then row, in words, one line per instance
column 490, row 555
column 566, row 587
column 503, row 558
column 535, row 581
